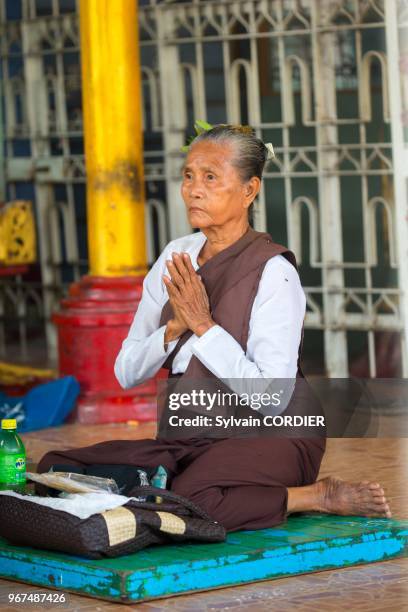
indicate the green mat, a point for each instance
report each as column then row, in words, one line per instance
column 305, row 543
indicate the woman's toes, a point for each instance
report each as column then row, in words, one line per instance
column 374, row 485
column 380, row 511
column 377, row 513
column 379, row 499
column 382, row 508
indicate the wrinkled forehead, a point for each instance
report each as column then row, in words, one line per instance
column 206, row 153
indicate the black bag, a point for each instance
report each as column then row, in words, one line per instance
column 112, row 533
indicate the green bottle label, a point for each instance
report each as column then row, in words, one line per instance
column 12, row 469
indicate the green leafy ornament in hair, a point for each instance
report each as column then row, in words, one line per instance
column 200, row 127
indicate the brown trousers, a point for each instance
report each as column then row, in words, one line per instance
column 242, row 483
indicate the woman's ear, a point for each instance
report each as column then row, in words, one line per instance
column 252, row 188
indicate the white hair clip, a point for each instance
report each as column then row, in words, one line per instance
column 271, row 152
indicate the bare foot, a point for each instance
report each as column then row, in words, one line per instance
column 361, row 498
column 336, row 496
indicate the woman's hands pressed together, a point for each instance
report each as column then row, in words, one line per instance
column 188, row 299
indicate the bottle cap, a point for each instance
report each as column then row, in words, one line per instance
column 8, row 424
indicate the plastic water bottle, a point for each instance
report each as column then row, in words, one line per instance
column 12, row 458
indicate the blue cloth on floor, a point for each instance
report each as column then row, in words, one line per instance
column 43, row 406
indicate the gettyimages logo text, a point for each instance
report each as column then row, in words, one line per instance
column 206, row 400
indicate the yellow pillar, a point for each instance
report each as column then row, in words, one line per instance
column 113, row 137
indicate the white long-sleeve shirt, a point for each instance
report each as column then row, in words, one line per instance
column 274, row 328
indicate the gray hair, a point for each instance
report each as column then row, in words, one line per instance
column 250, row 153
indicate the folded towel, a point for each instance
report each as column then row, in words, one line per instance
column 82, row 505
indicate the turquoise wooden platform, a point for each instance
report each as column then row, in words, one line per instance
column 305, row 543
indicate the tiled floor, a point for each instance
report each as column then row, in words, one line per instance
column 379, row 586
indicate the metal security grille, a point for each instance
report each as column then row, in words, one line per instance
column 324, row 81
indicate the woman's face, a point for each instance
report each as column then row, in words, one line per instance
column 212, row 189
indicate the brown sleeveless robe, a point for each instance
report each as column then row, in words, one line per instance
column 231, row 278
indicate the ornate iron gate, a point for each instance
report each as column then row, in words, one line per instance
column 320, row 79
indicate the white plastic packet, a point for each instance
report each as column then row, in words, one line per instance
column 75, row 483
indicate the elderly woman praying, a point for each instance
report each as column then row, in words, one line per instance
column 226, row 302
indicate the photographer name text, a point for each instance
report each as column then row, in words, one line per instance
column 231, row 421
